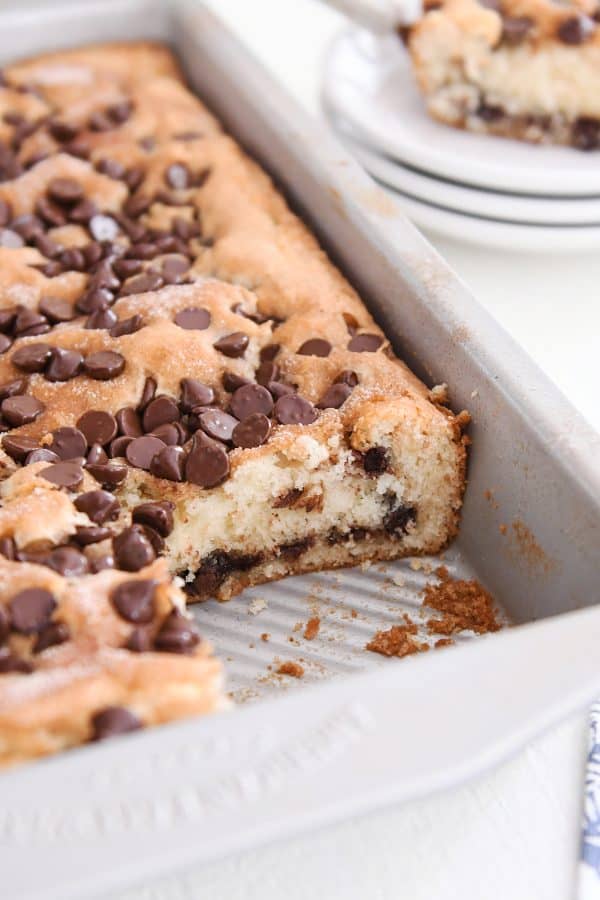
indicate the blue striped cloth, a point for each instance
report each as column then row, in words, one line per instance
column 589, row 867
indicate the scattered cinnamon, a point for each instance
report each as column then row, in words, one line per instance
column 294, row 669
column 312, row 628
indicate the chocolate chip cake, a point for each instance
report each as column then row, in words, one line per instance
column 192, row 400
column 525, row 69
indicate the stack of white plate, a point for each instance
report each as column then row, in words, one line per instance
column 477, row 188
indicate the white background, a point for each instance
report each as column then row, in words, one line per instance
column 514, row 833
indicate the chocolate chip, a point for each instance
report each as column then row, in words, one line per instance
column 78, row 148
column 10, row 662
column 277, row 389
column 96, row 455
column 21, row 410
column 252, row 432
column 99, row 121
column 231, row 382
column 10, row 239
column 315, row 347
column 347, row 377
column 63, row 365
column 28, row 226
column 67, row 474
column 169, row 434
column 13, row 388
column 266, row 372
column 29, row 322
column 103, row 227
column 156, row 514
column 125, row 268
column 585, row 133
column 104, row 365
column 112, row 721
column 178, row 634
column 195, row 393
column 5, row 343
column 137, row 205
column 160, row 411
column 31, row 609
column 376, row 461
column 99, row 506
column 399, row 518
column 207, row 465
column 126, row 326
column 335, row 397
column 169, row 464
column 41, row 454
column 269, row 352
column 98, row 427
column 148, row 393
column 147, row 281
column 120, row 112
column 68, row 562
column 142, row 450
column 365, row 343
column 118, row 447
column 65, row 191
column 68, row 443
column 100, row 563
column 194, row 319
column 110, row 167
column 18, row 446
column 82, row 212
column 132, row 549
column 251, row 398
column 62, row 131
column 4, row 617
column 109, row 476
column 217, row 424
column 134, row 177
column 139, row 641
column 177, row 176
column 101, row 318
column 576, row 29
column 515, row 29
column 50, row 212
column 55, row 309
column 48, row 248
column 232, row 345
column 7, row 319
column 8, row 548
column 73, row 258
column 91, row 534
column 174, row 269
column 32, row 358
column 52, row 635
column 134, row 601
column 292, row 409
column 128, row 422
column 97, row 298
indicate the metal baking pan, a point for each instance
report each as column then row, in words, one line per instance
column 358, row 731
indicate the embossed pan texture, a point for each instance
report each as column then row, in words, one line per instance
column 358, row 731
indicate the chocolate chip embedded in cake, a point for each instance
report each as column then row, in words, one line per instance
column 521, row 71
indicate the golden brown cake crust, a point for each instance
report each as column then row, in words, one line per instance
column 188, row 387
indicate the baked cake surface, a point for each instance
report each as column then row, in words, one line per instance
column 191, row 396
column 527, row 69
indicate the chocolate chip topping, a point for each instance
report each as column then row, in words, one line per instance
column 18, row 446
column 41, row 454
column 178, row 634
column 217, row 424
column 252, row 431
column 195, row 393
column 101, row 318
column 294, row 410
column 365, row 343
column 156, row 514
column 207, row 464
column 128, row 422
column 10, row 662
column 515, row 29
column 67, row 474
column 194, row 318
column 63, row 365
column 53, row 634
column 97, row 426
column 56, row 309
column 140, row 284
column 347, row 377
column 576, row 29
column 31, row 609
column 112, row 721
column 65, row 191
column 68, row 443
column 232, row 345
column 99, row 506
column 148, row 393
column 315, row 347
column 67, row 561
column 32, row 357
column 134, row 601
column 132, row 549
column 160, row 411
column 104, row 365
column 110, row 476
column 169, row 464
column 4, row 623
column 251, row 398
column 21, row 410
column 335, row 397
column 91, row 534
column 142, row 450
column 10, row 239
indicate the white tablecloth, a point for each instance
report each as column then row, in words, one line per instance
column 515, row 832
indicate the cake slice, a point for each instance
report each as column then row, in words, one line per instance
column 525, row 69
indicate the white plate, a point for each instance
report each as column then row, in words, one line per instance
column 496, row 233
column 510, row 208
column 368, row 81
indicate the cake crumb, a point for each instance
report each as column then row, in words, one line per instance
column 256, row 606
column 265, row 636
column 444, row 642
column 502, row 528
column 312, row 628
column 398, row 580
column 291, row 668
column 353, row 613
column 464, row 605
column 399, row 640
column 298, row 626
